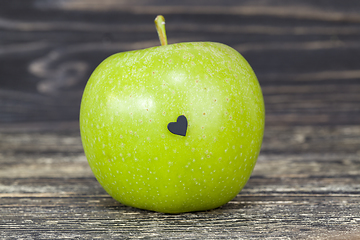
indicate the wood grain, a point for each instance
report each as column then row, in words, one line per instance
column 306, row 184
column 302, row 187
column 49, row 49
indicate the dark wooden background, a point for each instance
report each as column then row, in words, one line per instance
column 306, row 54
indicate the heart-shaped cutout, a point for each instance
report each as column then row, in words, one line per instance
column 179, row 127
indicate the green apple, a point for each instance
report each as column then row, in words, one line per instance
column 133, row 98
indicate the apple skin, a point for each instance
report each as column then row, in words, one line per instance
column 132, row 96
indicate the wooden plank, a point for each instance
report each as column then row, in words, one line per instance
column 277, row 139
column 81, row 208
column 298, row 190
column 49, row 50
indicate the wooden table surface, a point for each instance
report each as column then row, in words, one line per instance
column 306, row 54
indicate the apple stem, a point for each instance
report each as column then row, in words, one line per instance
column 160, row 28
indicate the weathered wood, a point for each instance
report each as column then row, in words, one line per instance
column 306, row 184
column 49, row 48
column 302, row 187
